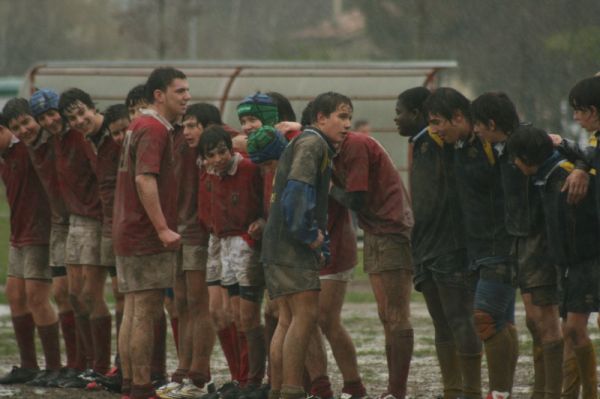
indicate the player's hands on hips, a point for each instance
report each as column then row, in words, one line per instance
column 169, row 238
column 318, row 242
column 576, row 186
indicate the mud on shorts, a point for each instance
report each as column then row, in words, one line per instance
column 213, row 262
column 146, row 272
column 451, row 270
column 57, row 248
column 285, row 280
column 386, row 252
column 536, row 273
column 240, row 263
column 83, row 241
column 343, row 276
column 29, row 262
column 579, row 293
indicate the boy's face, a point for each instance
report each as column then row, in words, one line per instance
column 118, row 129
column 134, row 110
column 450, row 130
column 82, row 118
column 5, row 137
column 250, row 124
column 488, row 132
column 192, row 130
column 25, row 128
column 337, row 124
column 527, row 170
column 51, row 121
column 406, row 120
column 587, row 118
column 175, row 99
column 219, row 158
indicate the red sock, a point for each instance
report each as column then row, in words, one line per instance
column 67, row 326
column 158, row 366
column 244, row 365
column 230, row 349
column 321, row 387
column 354, row 388
column 175, row 328
column 25, row 335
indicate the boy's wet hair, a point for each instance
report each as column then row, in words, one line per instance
column 445, row 101
column 306, row 118
column 3, row 121
column 530, row 144
column 136, row 95
column 210, row 139
column 498, row 107
column 206, row 114
column 414, row 98
column 115, row 112
column 284, row 108
column 160, row 79
column 327, row 103
column 16, row 107
column 71, row 96
column 586, row 94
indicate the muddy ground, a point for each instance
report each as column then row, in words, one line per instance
column 361, row 320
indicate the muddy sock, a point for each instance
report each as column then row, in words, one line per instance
column 101, row 328
column 229, row 347
column 80, row 360
column 514, row 340
column 354, row 388
column 451, row 377
column 553, row 358
column 257, row 355
column 159, row 356
column 401, row 349
column 292, row 392
column 586, row 366
column 85, row 336
column 25, row 334
column 321, row 387
column 499, row 360
column 306, row 381
column 570, row 383
column 178, row 375
column 198, row 379
column 243, row 359
column 51, row 345
column 118, row 321
column 126, row 386
column 470, row 367
column 142, row 391
column 67, row 327
column 175, row 330
column 539, row 371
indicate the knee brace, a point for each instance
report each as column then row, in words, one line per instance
column 485, row 324
column 494, row 306
column 252, row 293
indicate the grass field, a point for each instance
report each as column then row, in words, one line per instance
column 360, row 318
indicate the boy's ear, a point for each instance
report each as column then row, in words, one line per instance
column 491, row 124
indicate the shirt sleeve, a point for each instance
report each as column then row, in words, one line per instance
column 355, row 162
column 299, row 201
column 149, row 151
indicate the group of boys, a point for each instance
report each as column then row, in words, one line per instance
column 171, row 202
column 184, row 212
column 499, row 204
